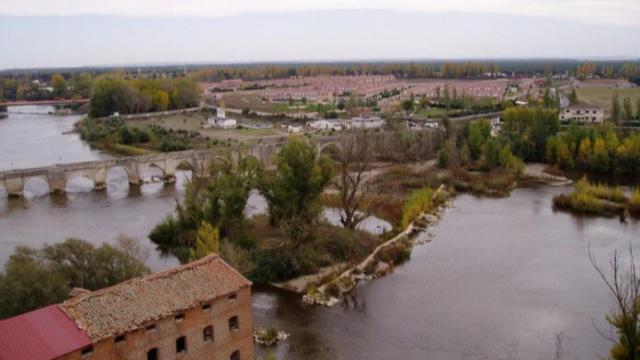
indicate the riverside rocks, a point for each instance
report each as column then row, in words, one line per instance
column 373, row 266
column 268, row 337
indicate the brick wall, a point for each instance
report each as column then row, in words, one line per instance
column 163, row 337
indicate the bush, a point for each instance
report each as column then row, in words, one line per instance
column 396, row 253
column 634, row 202
column 419, row 201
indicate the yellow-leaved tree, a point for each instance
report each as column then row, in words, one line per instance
column 207, row 242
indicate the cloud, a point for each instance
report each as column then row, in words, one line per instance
column 612, row 12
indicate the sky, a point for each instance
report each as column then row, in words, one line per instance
column 69, row 33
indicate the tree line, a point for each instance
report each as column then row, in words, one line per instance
column 115, row 94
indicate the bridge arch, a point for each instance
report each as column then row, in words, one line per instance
column 80, row 181
column 36, row 186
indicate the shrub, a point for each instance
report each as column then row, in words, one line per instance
column 395, row 253
column 419, row 201
column 634, row 202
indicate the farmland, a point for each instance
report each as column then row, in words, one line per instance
column 601, row 96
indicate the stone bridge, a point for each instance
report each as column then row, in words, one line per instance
column 57, row 176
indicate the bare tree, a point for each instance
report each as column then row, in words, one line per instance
column 624, row 284
column 353, row 159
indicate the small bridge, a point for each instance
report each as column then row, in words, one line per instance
column 57, row 176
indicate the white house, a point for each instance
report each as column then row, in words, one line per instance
column 373, row 122
column 294, row 129
column 582, row 114
column 221, row 121
column 326, row 125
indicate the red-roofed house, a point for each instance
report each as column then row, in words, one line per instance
column 43, row 334
column 201, row 310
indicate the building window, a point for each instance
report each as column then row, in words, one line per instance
column 181, row 344
column 152, row 354
column 88, row 351
column 179, row 318
column 232, row 297
column 119, row 339
column 235, row 355
column 151, row 327
column 234, row 324
column 207, row 333
column 206, row 307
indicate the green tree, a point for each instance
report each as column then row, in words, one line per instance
column 34, row 278
column 628, row 110
column 547, row 101
column 59, row 85
column 616, row 112
column 293, row 192
column 479, row 132
column 573, row 97
column 207, row 242
column 82, row 85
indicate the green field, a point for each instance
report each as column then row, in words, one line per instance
column 600, row 96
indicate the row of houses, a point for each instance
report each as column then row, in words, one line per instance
column 366, row 122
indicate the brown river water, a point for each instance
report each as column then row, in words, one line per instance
column 501, row 279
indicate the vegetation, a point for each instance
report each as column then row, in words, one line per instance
column 623, row 282
column 293, row 193
column 595, row 149
column 596, row 199
column 353, row 159
column 34, row 278
column 118, row 136
column 290, row 241
column 419, row 201
column 113, row 94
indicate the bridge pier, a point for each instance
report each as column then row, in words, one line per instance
column 57, row 181
column 14, row 186
column 100, row 179
column 133, row 172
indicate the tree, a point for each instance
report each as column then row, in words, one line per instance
column 293, row 192
column 207, row 242
column 34, row 278
column 624, row 285
column 616, row 113
column 353, row 159
column 547, row 101
column 628, row 111
column 573, row 97
column 82, row 85
column 59, row 85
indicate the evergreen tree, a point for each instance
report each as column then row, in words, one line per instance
column 628, row 112
column 616, row 113
column 573, row 97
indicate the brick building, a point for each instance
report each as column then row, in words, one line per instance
column 201, row 310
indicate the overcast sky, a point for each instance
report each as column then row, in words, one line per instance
column 102, row 32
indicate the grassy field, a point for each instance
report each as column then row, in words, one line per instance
column 600, row 96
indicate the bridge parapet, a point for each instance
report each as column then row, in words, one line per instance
column 58, row 175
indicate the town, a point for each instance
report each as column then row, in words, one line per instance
column 462, row 208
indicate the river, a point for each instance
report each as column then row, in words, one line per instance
column 501, row 279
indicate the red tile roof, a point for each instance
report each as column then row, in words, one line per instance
column 41, row 334
column 137, row 302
